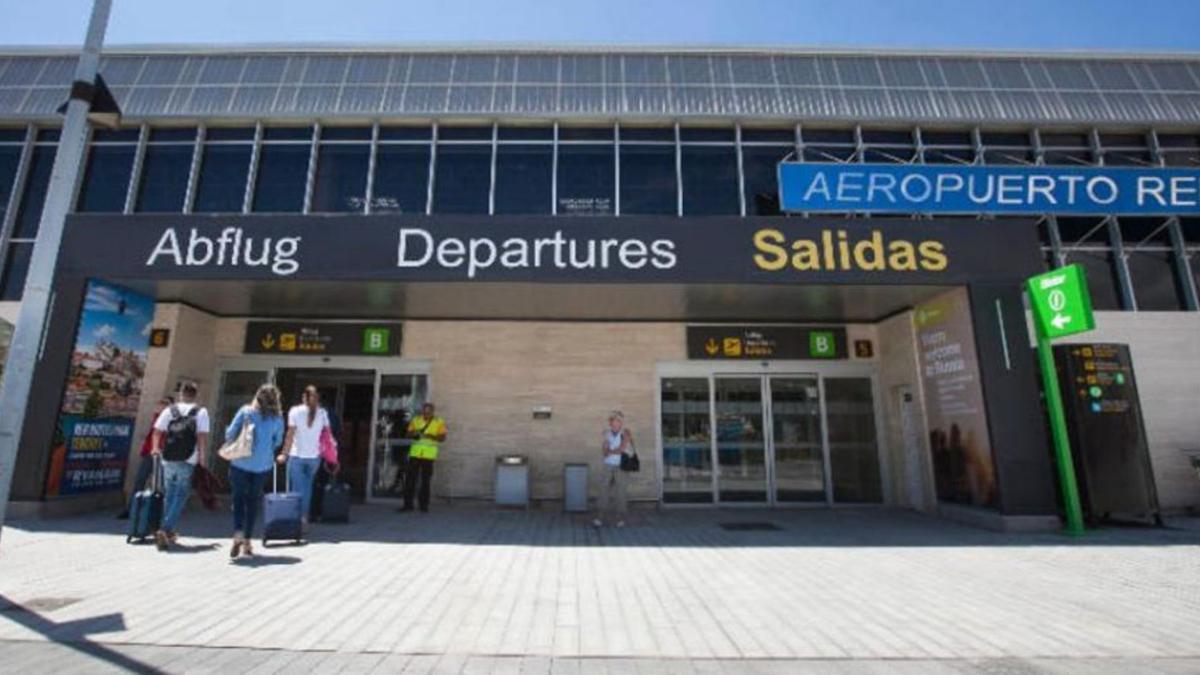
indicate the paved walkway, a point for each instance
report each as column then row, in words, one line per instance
column 470, row 589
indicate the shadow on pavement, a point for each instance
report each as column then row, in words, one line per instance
column 260, row 560
column 74, row 634
column 481, row 524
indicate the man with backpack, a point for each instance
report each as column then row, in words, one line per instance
column 181, row 439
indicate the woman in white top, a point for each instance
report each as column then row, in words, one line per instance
column 616, row 441
column 302, row 447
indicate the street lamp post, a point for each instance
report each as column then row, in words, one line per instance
column 25, row 350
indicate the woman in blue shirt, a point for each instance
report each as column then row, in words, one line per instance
column 248, row 474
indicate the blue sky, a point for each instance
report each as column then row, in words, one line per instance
column 1121, row 25
column 101, row 320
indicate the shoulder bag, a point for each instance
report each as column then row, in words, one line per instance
column 242, row 446
column 629, row 460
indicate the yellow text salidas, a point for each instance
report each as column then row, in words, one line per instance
column 834, row 251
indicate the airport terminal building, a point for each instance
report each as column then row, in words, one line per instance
column 533, row 237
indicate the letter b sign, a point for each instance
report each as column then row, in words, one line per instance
column 821, row 344
column 375, row 340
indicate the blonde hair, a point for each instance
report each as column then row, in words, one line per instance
column 616, row 415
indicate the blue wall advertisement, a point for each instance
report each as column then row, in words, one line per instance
column 104, row 384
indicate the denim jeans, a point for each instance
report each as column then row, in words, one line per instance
column 301, row 473
column 177, row 479
column 246, row 488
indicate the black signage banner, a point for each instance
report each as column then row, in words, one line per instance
column 1108, row 434
column 549, row 249
column 323, row 339
column 759, row 343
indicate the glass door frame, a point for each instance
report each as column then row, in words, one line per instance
column 774, row 369
column 381, row 367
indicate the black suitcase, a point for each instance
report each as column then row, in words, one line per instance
column 335, row 503
column 146, row 508
column 281, row 513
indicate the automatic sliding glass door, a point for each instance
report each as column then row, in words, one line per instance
column 398, row 399
column 797, row 445
column 772, row 439
column 741, row 441
column 687, row 475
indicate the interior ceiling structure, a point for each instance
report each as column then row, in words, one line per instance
column 532, row 301
column 307, row 83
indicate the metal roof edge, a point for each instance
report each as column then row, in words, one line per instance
column 138, row 49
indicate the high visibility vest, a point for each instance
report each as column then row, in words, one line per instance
column 425, row 447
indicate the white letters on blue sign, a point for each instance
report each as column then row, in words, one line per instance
column 909, row 188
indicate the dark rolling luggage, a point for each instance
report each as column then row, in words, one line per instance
column 281, row 513
column 335, row 504
column 146, row 508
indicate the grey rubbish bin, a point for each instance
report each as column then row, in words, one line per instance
column 512, row 480
column 575, row 488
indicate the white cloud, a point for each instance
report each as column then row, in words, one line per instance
column 104, row 331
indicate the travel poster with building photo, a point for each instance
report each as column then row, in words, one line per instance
column 104, row 386
column 964, row 471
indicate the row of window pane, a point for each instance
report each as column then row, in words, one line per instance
column 524, row 183
column 588, row 179
column 1158, row 279
column 524, row 173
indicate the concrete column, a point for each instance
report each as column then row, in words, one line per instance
column 1016, row 422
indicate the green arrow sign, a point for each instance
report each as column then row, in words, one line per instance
column 1061, row 303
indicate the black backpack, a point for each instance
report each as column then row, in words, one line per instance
column 181, row 435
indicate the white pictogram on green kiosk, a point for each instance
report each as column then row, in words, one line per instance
column 1061, row 306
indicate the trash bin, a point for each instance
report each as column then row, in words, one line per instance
column 512, row 480
column 575, row 488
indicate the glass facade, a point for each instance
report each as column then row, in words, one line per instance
column 401, row 178
column 524, row 178
column 281, row 179
column 166, row 170
column 462, row 178
column 343, row 164
column 224, row 168
column 568, row 169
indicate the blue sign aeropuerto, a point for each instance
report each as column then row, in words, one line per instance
column 950, row 188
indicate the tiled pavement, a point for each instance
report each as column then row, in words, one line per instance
column 469, row 589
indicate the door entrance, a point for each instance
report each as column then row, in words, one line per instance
column 347, row 396
column 802, row 438
column 370, row 404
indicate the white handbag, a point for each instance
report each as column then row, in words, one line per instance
column 242, row 446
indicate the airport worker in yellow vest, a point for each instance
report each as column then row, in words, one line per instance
column 428, row 431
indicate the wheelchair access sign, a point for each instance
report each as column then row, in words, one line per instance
column 1061, row 303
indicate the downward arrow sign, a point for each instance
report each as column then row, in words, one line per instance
column 1060, row 320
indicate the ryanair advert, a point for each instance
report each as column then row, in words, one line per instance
column 548, row 249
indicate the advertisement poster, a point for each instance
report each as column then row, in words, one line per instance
column 104, row 384
column 958, row 436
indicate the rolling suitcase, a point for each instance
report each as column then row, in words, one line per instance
column 146, row 507
column 335, row 504
column 281, row 513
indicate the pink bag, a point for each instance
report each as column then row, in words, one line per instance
column 328, row 446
